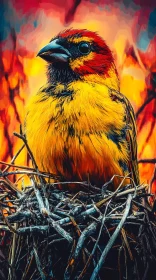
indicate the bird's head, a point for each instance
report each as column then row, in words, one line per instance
column 77, row 54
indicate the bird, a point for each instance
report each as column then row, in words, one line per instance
column 79, row 126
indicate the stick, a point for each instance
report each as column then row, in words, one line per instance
column 39, row 264
column 96, row 244
column 112, row 239
column 27, row 168
column 22, row 137
column 17, row 172
column 144, row 105
column 13, row 159
column 151, row 160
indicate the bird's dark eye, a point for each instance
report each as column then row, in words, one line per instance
column 84, row 48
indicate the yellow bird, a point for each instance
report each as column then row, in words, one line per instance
column 79, row 125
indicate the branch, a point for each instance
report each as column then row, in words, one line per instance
column 152, row 160
column 144, row 105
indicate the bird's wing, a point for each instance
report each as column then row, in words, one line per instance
column 131, row 136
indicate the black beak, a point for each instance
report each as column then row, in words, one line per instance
column 54, row 52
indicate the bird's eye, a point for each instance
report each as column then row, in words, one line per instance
column 84, row 48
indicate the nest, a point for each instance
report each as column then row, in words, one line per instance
column 47, row 233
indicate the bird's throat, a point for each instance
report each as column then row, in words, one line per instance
column 61, row 73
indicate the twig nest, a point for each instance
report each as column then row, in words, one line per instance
column 47, row 233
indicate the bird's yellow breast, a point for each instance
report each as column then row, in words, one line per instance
column 68, row 131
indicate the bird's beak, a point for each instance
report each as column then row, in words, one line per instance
column 54, row 52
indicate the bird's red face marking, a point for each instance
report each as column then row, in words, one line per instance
column 99, row 58
column 76, row 53
column 79, row 33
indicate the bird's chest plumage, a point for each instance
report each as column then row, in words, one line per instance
column 78, row 135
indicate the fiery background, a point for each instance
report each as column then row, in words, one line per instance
column 129, row 28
